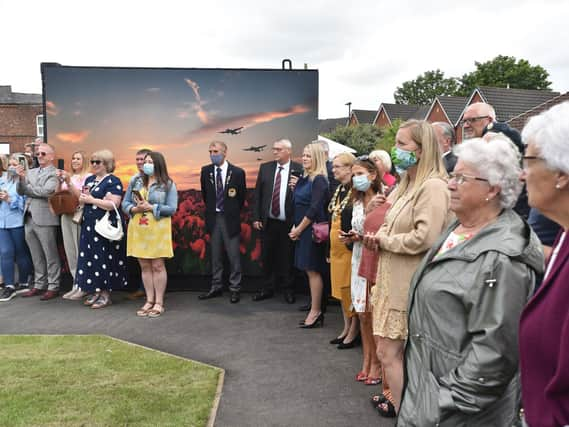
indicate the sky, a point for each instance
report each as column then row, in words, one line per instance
column 363, row 50
column 178, row 112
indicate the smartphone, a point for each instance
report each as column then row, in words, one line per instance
column 296, row 173
column 22, row 161
column 137, row 196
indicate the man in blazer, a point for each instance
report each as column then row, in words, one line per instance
column 273, row 217
column 223, row 191
column 41, row 224
column 445, row 139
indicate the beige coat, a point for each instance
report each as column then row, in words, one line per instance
column 411, row 227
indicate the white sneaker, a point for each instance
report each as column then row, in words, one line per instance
column 22, row 288
column 69, row 294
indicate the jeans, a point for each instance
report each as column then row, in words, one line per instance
column 14, row 250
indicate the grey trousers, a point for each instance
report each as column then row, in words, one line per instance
column 71, row 232
column 220, row 239
column 42, row 241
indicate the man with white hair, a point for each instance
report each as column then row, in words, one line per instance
column 476, row 118
column 445, row 138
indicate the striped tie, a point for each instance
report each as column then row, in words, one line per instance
column 276, row 200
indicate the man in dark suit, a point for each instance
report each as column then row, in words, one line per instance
column 273, row 217
column 223, row 191
column 446, row 138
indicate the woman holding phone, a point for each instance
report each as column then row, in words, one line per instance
column 74, row 182
column 152, row 200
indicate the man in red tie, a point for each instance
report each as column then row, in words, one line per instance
column 272, row 216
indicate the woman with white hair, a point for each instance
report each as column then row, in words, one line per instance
column 544, row 326
column 382, row 161
column 466, row 298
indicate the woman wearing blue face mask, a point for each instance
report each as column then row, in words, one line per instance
column 149, row 237
column 417, row 216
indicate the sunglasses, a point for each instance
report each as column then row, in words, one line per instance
column 96, row 162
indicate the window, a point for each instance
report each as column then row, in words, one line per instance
column 39, row 125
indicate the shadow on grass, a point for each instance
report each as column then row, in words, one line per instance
column 101, row 381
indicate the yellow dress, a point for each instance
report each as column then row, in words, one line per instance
column 340, row 267
column 148, row 237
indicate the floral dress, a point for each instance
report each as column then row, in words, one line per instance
column 102, row 263
column 358, row 283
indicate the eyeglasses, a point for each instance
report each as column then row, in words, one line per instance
column 461, row 178
column 472, row 120
column 526, row 158
column 42, row 153
column 96, row 162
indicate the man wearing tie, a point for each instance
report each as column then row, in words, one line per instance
column 223, row 191
column 272, row 216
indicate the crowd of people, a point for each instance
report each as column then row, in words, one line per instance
column 450, row 263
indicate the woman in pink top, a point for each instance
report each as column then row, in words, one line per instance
column 73, row 181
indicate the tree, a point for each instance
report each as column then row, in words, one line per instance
column 505, row 71
column 362, row 137
column 425, row 88
column 387, row 140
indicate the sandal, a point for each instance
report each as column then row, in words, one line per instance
column 361, row 376
column 102, row 302
column 91, row 299
column 143, row 311
column 383, row 406
column 156, row 312
column 372, row 381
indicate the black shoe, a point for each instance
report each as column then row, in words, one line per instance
column 234, row 297
column 262, row 296
column 319, row 320
column 353, row 343
column 289, row 298
column 305, row 307
column 338, row 340
column 214, row 293
column 7, row 293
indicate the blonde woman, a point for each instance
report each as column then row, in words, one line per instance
column 310, row 199
column 74, row 182
column 418, row 214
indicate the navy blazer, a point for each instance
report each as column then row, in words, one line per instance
column 264, row 192
column 234, row 193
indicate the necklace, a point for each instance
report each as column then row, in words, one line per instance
column 335, row 207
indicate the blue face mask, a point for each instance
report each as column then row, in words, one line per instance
column 361, row 182
column 148, row 169
column 402, row 159
column 216, row 159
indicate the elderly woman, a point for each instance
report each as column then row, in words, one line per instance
column 101, row 266
column 417, row 216
column 310, row 197
column 382, row 161
column 544, row 326
column 466, row 298
column 340, row 209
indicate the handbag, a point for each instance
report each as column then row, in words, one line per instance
column 320, row 232
column 107, row 230
column 63, row 202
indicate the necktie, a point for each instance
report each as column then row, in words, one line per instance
column 276, row 200
column 218, row 191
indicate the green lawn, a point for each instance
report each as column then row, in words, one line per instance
column 99, row 381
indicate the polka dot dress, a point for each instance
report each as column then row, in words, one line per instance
column 101, row 263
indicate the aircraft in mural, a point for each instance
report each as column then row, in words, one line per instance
column 255, row 148
column 235, row 131
column 259, row 158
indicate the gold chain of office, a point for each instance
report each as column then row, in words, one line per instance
column 336, row 208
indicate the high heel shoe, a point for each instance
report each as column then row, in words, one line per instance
column 353, row 343
column 319, row 321
column 337, row 340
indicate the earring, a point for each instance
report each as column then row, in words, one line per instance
column 487, row 199
column 557, row 186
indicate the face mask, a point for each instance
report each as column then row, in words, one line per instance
column 216, row 159
column 148, row 169
column 361, row 182
column 12, row 171
column 402, row 159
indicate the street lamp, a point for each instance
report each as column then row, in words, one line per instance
column 349, row 104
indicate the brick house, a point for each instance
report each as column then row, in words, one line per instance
column 518, row 122
column 387, row 113
column 21, row 118
column 361, row 117
column 446, row 109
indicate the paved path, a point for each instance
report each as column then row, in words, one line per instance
column 276, row 373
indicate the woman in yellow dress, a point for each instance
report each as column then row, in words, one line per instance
column 154, row 200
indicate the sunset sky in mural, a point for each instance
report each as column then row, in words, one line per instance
column 178, row 112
